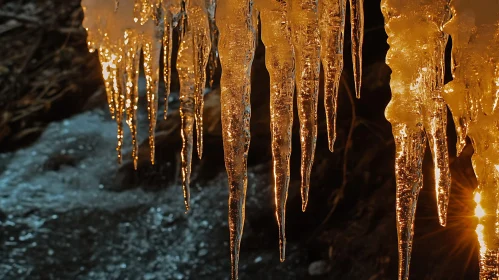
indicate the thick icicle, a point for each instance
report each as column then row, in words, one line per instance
column 185, row 69
column 152, row 54
column 191, row 65
column 198, row 20
column 472, row 98
column 236, row 49
column 416, row 57
column 279, row 60
column 304, row 23
column 332, row 30
column 410, row 147
column 435, row 109
column 357, row 29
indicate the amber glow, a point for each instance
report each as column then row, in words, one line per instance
column 299, row 36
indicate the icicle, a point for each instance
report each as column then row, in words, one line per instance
column 152, row 54
column 332, row 26
column 410, row 144
column 436, row 131
column 357, row 29
column 198, row 18
column 236, row 50
column 120, row 105
column 472, row 98
column 280, row 64
column 167, row 52
column 303, row 17
column 186, row 72
column 132, row 60
column 435, row 111
column 416, row 57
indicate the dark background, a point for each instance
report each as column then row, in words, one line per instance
column 68, row 211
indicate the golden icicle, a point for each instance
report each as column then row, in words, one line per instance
column 167, row 51
column 198, row 21
column 279, row 60
column 332, row 30
column 152, row 53
column 132, row 60
column 120, row 106
column 472, row 97
column 304, row 21
column 357, row 29
column 236, row 49
column 185, row 68
column 416, row 57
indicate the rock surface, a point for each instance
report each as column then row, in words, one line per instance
column 59, row 220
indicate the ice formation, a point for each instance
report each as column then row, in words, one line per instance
column 418, row 108
column 293, row 32
column 299, row 36
column 276, row 37
column 472, row 97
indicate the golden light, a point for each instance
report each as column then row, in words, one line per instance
column 299, row 36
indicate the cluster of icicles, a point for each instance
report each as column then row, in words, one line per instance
column 418, row 32
column 299, row 35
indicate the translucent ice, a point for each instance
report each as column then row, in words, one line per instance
column 304, row 21
column 417, row 109
column 472, row 97
column 280, row 64
column 236, row 48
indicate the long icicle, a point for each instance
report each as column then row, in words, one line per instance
column 236, row 49
column 152, row 54
column 132, row 57
column 120, row 106
column 357, row 29
column 279, row 60
column 435, row 110
column 167, row 53
column 416, row 57
column 436, row 131
column 304, row 20
column 332, row 30
column 185, row 69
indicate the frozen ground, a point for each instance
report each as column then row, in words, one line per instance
column 60, row 219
